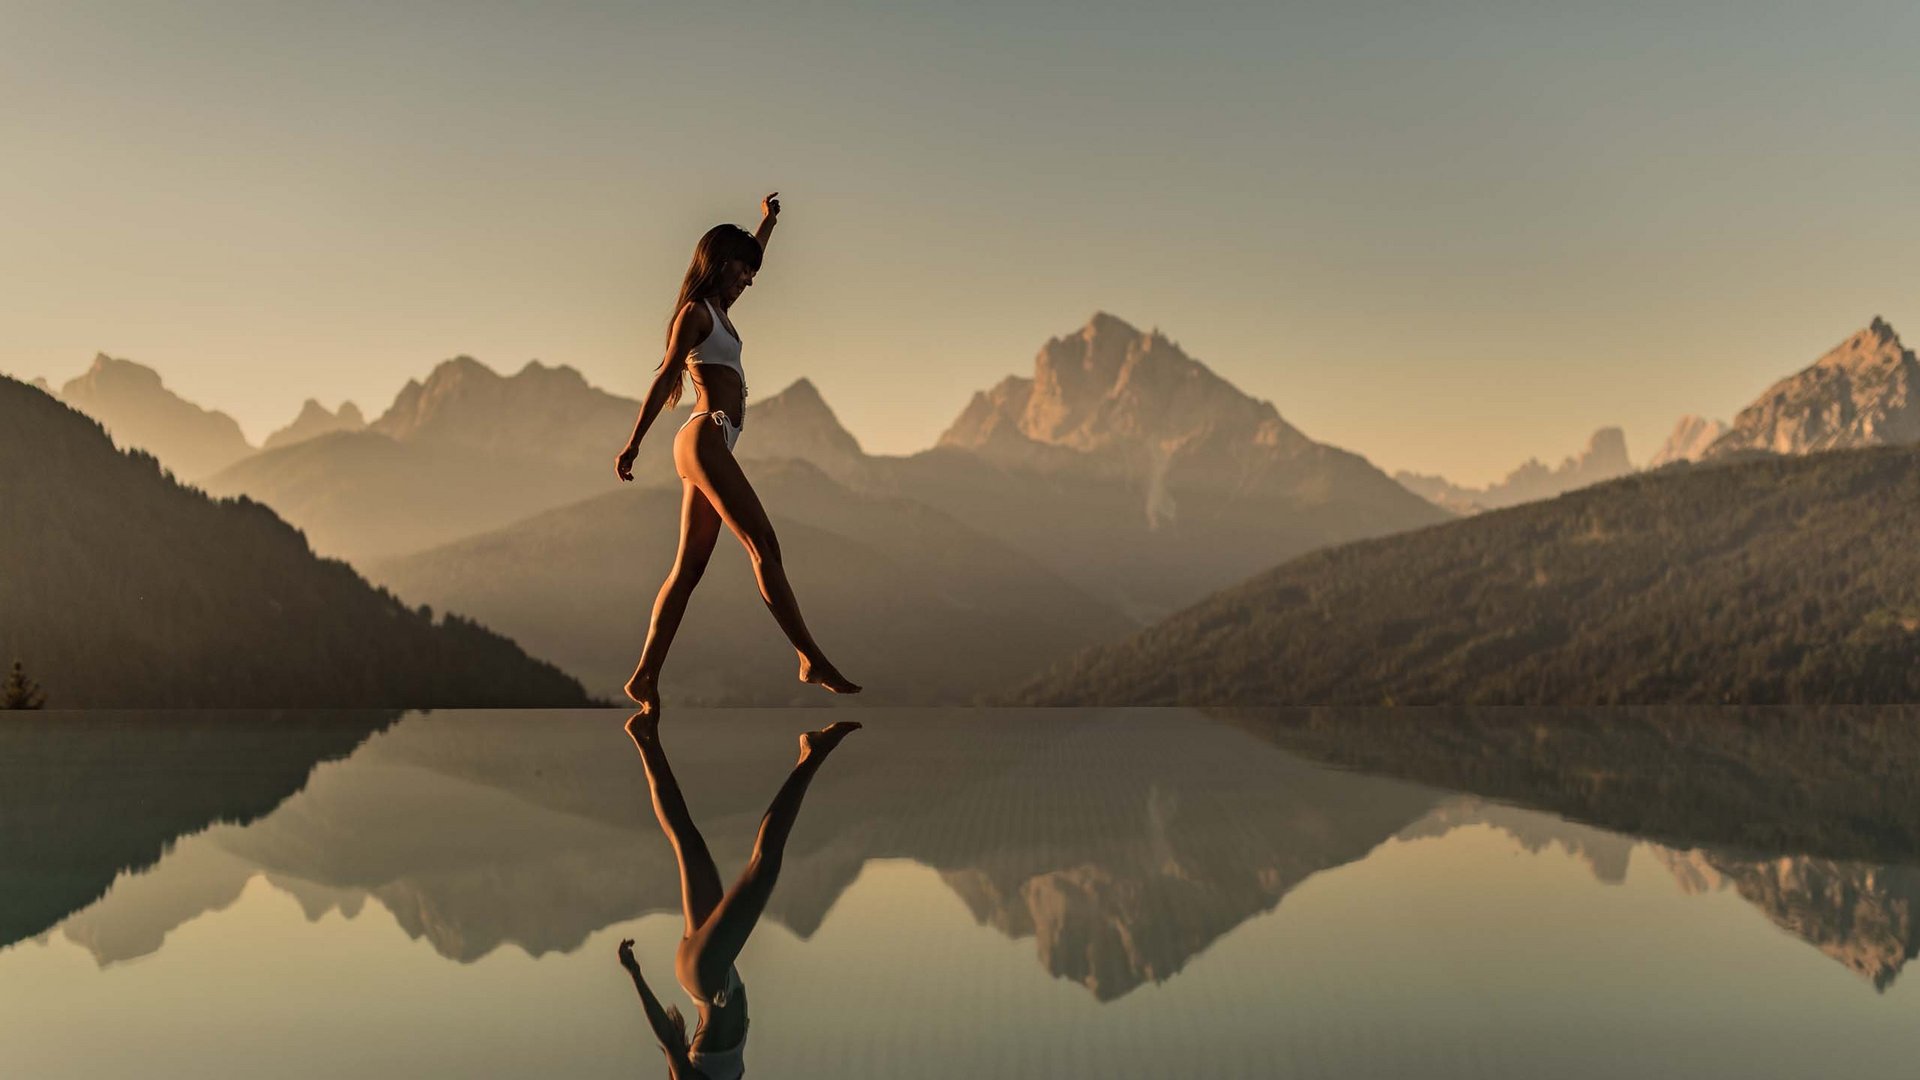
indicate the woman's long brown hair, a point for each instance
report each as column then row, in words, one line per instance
column 721, row 244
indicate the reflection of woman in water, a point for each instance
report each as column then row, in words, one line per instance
column 717, row 923
column 702, row 343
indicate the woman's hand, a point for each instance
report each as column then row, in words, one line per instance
column 770, row 206
column 626, row 955
column 624, row 466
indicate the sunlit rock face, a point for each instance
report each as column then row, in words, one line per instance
column 1604, row 458
column 539, row 411
column 139, row 411
column 1689, row 441
column 1861, row 914
column 1133, row 403
column 314, row 420
column 1864, row 392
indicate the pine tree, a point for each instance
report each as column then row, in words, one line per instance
column 21, row 692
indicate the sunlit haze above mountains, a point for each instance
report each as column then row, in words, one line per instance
column 1448, row 240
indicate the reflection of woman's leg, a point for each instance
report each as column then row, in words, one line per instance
column 708, row 463
column 719, row 942
column 699, row 528
column 700, row 890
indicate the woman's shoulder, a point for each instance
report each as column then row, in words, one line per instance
column 695, row 320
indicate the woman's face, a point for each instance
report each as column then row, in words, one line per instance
column 734, row 279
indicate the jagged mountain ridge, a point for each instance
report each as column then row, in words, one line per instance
column 314, row 421
column 134, row 405
column 1604, row 458
column 1863, row 392
column 1689, row 440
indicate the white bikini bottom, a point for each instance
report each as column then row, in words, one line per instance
column 729, row 429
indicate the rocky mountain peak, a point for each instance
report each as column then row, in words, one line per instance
column 1689, row 441
column 314, row 420
column 798, row 423
column 132, row 402
column 538, row 412
column 1864, row 391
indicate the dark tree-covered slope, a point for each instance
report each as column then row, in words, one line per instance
column 119, row 586
column 1789, row 580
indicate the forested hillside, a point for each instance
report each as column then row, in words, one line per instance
column 1787, row 580
column 123, row 587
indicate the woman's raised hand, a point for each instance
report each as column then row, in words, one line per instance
column 624, row 463
column 770, row 206
column 626, row 954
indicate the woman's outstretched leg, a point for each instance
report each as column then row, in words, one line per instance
column 699, row 528
column 709, row 464
column 719, row 941
column 700, row 891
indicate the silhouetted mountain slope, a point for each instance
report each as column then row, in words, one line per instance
column 1604, row 458
column 1786, row 580
column 1863, row 392
column 142, row 592
column 85, row 797
column 139, row 412
column 918, row 606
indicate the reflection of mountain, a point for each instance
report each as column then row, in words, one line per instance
column 1801, row 811
column 1865, row 916
column 88, row 797
column 1124, row 844
column 1121, row 862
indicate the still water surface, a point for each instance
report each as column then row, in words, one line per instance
column 971, row 893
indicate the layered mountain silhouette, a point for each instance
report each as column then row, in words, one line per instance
column 1126, row 467
column 464, row 451
column 1863, row 392
column 936, row 609
column 140, row 412
column 314, row 420
column 1604, row 458
column 144, row 592
column 1788, row 580
column 1689, row 441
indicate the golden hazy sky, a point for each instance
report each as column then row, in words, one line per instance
column 1446, row 236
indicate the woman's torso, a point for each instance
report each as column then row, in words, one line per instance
column 718, row 375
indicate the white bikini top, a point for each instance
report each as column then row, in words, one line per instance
column 720, row 349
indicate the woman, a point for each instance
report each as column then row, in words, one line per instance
column 703, row 343
column 717, row 923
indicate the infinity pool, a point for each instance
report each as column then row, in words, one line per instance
column 971, row 893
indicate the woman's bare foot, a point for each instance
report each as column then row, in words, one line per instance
column 820, row 743
column 645, row 692
column 825, row 674
column 644, row 727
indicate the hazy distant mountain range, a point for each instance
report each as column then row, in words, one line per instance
column 1604, row 458
column 314, row 420
column 1689, row 441
column 934, row 608
column 135, row 590
column 140, row 412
